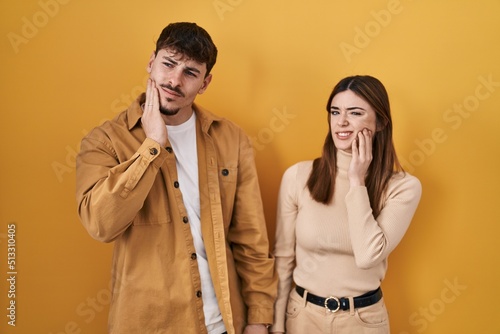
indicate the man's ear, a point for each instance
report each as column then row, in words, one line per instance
column 206, row 82
column 150, row 63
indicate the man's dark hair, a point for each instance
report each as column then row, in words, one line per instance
column 190, row 40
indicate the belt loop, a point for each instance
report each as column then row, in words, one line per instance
column 304, row 298
column 351, row 305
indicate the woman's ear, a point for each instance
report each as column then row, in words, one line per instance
column 381, row 124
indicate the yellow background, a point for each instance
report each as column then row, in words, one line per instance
column 68, row 65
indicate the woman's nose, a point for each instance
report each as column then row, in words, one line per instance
column 342, row 119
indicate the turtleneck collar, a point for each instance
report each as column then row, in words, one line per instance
column 343, row 160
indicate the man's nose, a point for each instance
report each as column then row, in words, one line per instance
column 175, row 78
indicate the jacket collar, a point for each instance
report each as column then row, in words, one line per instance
column 134, row 114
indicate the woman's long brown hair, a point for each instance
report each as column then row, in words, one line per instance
column 321, row 182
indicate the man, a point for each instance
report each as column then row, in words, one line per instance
column 175, row 187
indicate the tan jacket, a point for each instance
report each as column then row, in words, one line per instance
column 127, row 192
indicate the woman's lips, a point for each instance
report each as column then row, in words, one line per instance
column 344, row 134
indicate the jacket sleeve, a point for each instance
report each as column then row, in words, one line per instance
column 373, row 239
column 284, row 247
column 249, row 241
column 110, row 192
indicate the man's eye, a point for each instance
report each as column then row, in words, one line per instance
column 168, row 64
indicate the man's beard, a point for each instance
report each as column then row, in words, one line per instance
column 169, row 111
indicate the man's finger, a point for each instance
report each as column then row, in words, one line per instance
column 155, row 99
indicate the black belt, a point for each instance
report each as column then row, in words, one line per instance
column 333, row 304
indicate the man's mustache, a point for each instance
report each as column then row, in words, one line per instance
column 175, row 89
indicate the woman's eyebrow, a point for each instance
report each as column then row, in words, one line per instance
column 349, row 108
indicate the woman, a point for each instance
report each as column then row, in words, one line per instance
column 340, row 216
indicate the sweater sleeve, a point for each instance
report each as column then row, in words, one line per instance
column 284, row 248
column 374, row 239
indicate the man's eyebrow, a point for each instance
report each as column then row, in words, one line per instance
column 192, row 69
column 189, row 68
column 170, row 60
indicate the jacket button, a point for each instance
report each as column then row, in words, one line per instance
column 198, row 293
column 176, row 184
column 225, row 172
column 193, row 256
column 169, row 149
column 185, row 219
column 153, row 151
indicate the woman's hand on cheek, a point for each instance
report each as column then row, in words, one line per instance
column 361, row 158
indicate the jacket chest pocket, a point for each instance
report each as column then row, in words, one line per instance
column 228, row 174
column 228, row 177
column 155, row 209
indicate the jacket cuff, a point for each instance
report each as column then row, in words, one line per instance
column 260, row 316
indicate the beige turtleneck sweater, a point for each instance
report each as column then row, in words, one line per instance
column 338, row 249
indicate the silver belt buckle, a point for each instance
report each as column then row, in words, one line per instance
column 338, row 304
